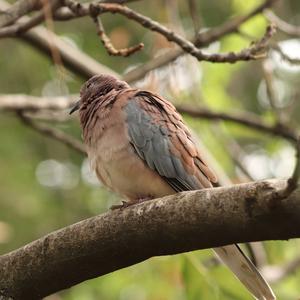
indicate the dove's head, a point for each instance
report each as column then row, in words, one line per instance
column 95, row 87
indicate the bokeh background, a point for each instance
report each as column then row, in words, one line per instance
column 44, row 185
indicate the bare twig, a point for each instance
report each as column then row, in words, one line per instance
column 292, row 182
column 17, row 102
column 31, row 103
column 20, row 27
column 284, row 56
column 258, row 254
column 125, row 237
column 276, row 274
column 283, row 26
column 256, row 250
column 246, row 119
column 56, row 57
column 22, row 7
column 256, row 51
column 155, row 63
column 271, row 92
column 54, row 133
column 73, row 58
column 76, row 60
column 108, row 44
column 193, row 7
column 203, row 39
column 65, row 13
column 47, row 115
column 234, row 150
column 17, row 10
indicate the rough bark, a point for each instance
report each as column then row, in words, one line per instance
column 170, row 225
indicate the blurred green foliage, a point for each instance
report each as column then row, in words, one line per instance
column 29, row 208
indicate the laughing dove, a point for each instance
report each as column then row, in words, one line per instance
column 140, row 148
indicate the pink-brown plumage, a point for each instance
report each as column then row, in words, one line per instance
column 113, row 158
column 111, row 151
column 140, row 148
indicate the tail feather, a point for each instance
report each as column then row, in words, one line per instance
column 245, row 271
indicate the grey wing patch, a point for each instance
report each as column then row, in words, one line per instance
column 152, row 144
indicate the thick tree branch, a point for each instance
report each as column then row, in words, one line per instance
column 170, row 225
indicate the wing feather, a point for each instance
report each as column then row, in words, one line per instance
column 160, row 138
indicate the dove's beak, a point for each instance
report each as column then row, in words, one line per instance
column 75, row 107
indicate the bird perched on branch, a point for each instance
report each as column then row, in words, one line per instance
column 140, row 148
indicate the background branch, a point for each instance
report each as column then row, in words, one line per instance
column 87, row 67
column 283, row 26
column 54, row 133
column 28, row 23
column 76, row 60
column 246, row 119
column 202, row 39
column 17, row 10
column 31, row 103
column 276, row 274
column 108, row 44
column 255, row 51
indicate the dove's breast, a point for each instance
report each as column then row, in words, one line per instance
column 114, row 159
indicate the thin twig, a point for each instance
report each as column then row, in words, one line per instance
column 230, row 26
column 292, row 182
column 19, row 28
column 246, row 119
column 278, row 273
column 203, row 39
column 18, row 102
column 31, row 103
column 193, row 8
column 54, row 133
column 17, row 10
column 48, row 12
column 157, row 62
column 73, row 58
column 255, row 51
column 108, row 44
column 259, row 253
column 271, row 92
column 284, row 56
column 283, row 26
column 234, row 150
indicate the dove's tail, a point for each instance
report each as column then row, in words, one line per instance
column 245, row 271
